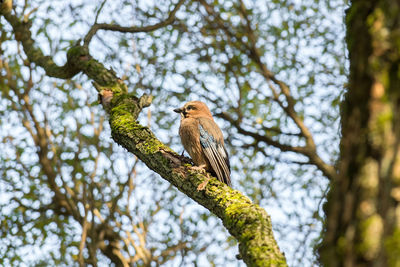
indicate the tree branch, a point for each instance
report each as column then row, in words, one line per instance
column 118, row 28
column 259, row 137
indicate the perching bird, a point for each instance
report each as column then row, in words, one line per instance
column 202, row 139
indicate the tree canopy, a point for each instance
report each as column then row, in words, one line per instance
column 87, row 129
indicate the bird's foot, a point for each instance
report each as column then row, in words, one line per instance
column 203, row 185
column 201, row 168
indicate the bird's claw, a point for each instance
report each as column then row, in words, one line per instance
column 203, row 185
column 201, row 168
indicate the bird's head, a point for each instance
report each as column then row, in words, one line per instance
column 194, row 109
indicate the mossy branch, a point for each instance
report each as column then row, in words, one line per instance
column 247, row 222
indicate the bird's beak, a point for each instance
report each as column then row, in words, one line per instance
column 178, row 110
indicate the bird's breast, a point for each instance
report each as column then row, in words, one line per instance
column 190, row 137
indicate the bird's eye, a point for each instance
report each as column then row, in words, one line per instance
column 189, row 108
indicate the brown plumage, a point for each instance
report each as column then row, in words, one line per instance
column 203, row 140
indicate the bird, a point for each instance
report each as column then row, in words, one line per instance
column 203, row 140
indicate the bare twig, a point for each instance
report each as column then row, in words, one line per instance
column 99, row 11
column 84, row 231
column 259, row 137
column 119, row 28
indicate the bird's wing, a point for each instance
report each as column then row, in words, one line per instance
column 211, row 141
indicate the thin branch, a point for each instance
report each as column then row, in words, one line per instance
column 99, row 11
column 259, row 137
column 328, row 170
column 84, row 230
column 119, row 28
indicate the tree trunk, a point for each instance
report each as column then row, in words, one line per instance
column 363, row 211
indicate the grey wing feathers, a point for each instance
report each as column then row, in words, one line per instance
column 216, row 155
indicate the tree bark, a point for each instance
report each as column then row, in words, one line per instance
column 363, row 211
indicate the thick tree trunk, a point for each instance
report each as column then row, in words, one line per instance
column 363, row 208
